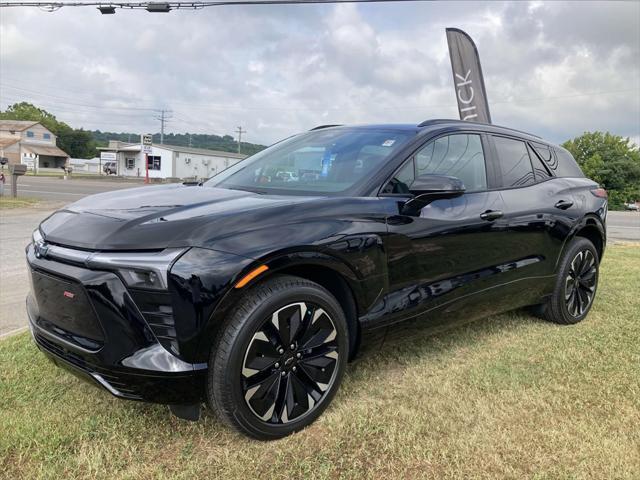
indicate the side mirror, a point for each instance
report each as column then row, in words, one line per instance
column 428, row 188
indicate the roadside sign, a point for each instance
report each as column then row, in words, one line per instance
column 147, row 141
column 108, row 156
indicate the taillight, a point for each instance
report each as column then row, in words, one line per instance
column 599, row 192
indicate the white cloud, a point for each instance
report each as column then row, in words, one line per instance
column 278, row 70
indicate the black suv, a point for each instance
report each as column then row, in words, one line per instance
column 252, row 291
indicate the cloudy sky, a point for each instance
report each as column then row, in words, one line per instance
column 555, row 69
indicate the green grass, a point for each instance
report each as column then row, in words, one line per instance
column 6, row 201
column 505, row 397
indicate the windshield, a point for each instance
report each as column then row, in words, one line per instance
column 320, row 161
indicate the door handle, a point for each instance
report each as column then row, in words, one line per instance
column 564, row 204
column 491, row 215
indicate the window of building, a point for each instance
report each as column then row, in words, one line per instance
column 514, row 162
column 129, row 163
column 46, row 136
column 153, row 161
column 30, row 134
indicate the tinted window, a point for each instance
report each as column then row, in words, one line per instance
column 567, row 166
column 323, row 161
column 540, row 168
column 558, row 160
column 455, row 155
column 514, row 162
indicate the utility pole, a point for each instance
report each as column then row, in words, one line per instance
column 239, row 131
column 190, row 144
column 165, row 116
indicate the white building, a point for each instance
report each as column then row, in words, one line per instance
column 166, row 161
column 85, row 165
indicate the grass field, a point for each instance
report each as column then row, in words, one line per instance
column 7, row 201
column 505, row 397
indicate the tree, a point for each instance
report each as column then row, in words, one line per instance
column 78, row 143
column 610, row 160
column 27, row 111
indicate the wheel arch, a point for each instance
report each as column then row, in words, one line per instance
column 333, row 274
column 591, row 228
column 591, row 232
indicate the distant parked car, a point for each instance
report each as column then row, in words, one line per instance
column 110, row 168
column 631, row 206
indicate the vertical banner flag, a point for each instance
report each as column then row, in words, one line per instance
column 467, row 77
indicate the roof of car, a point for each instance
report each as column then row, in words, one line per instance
column 435, row 124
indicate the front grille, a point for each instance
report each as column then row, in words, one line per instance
column 64, row 305
column 113, row 378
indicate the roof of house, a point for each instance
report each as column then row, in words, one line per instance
column 16, row 125
column 45, row 150
column 135, row 147
column 5, row 142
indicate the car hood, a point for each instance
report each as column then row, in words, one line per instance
column 151, row 218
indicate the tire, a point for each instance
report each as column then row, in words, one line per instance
column 576, row 284
column 256, row 382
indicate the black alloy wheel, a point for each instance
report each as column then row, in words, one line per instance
column 279, row 358
column 575, row 286
column 580, row 283
column 290, row 363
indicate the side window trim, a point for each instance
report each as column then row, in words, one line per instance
column 489, row 170
column 492, row 166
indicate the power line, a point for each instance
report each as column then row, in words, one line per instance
column 66, row 100
column 213, row 106
column 108, row 7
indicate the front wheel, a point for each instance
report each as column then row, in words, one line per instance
column 279, row 359
column 576, row 284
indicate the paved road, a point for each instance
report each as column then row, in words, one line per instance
column 56, row 189
column 17, row 225
column 623, row 226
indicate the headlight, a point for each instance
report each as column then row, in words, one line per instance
column 138, row 270
column 36, row 236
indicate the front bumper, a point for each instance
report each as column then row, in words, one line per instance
column 88, row 322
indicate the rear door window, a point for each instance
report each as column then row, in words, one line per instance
column 514, row 161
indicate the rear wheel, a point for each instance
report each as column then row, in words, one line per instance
column 576, row 284
column 280, row 358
